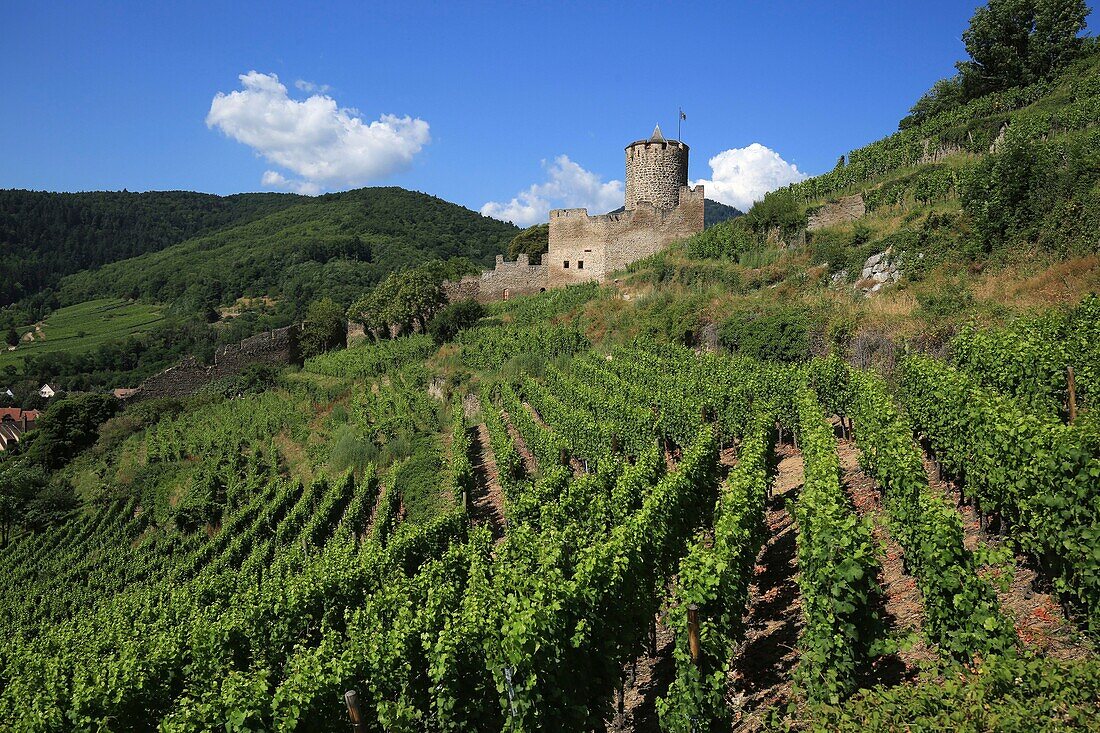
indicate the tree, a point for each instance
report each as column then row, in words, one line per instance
column 325, row 328
column 945, row 94
column 533, row 241
column 50, row 504
column 403, row 300
column 70, row 425
column 1056, row 39
column 455, row 317
column 12, row 337
column 1017, row 42
column 19, row 484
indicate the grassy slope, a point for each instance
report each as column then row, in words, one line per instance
column 915, row 208
column 81, row 328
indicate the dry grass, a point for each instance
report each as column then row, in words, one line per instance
column 1031, row 286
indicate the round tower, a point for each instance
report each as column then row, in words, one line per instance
column 655, row 170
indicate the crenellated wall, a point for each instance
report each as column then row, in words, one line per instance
column 660, row 209
column 505, row 279
column 186, row 378
column 584, row 247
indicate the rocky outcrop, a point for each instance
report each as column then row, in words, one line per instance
column 878, row 271
column 841, row 211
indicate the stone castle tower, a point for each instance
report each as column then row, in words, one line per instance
column 655, row 170
column 660, row 209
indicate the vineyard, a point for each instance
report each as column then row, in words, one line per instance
column 593, row 544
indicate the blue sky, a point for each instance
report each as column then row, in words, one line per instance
column 112, row 95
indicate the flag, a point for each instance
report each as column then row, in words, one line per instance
column 682, row 115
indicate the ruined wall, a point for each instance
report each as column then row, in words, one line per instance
column 272, row 347
column 841, row 211
column 610, row 242
column 655, row 172
column 515, row 278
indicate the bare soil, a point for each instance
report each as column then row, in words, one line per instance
column 1025, row 596
column 902, row 605
column 647, row 678
column 487, row 501
column 761, row 673
column 530, row 465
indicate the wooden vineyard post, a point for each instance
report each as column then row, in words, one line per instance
column 1071, row 385
column 693, row 633
column 351, row 699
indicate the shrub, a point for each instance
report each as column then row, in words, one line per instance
column 325, row 328
column 721, row 241
column 782, row 335
column 455, row 317
column 947, row 301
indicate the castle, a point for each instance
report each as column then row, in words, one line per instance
column 660, row 209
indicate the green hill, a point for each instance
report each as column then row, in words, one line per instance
column 748, row 486
column 981, row 213
column 45, row 236
column 335, row 245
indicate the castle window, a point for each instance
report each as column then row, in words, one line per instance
column 565, row 264
column 580, row 264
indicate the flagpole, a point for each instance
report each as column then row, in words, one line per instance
column 679, row 117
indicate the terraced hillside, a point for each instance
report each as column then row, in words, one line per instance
column 250, row 559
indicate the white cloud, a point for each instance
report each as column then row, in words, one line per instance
column 275, row 179
column 326, row 146
column 568, row 186
column 310, row 87
column 740, row 176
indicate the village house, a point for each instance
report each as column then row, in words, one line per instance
column 46, row 391
column 14, row 423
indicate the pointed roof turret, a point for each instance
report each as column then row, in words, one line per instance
column 657, row 137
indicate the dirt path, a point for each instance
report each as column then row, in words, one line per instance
column 647, row 678
column 1036, row 613
column 530, row 465
column 369, row 531
column 903, row 607
column 578, row 466
column 487, row 502
column 761, row 674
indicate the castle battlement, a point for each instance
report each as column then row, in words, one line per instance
column 660, row 208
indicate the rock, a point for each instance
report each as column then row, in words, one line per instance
column 435, row 389
column 848, row 208
column 879, row 270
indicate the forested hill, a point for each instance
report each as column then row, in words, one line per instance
column 45, row 236
column 335, row 245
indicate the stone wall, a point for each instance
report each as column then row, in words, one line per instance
column 936, row 153
column 272, row 347
column 507, row 279
column 655, row 172
column 841, row 211
column 608, row 243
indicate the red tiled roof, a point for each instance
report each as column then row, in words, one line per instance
column 16, row 414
